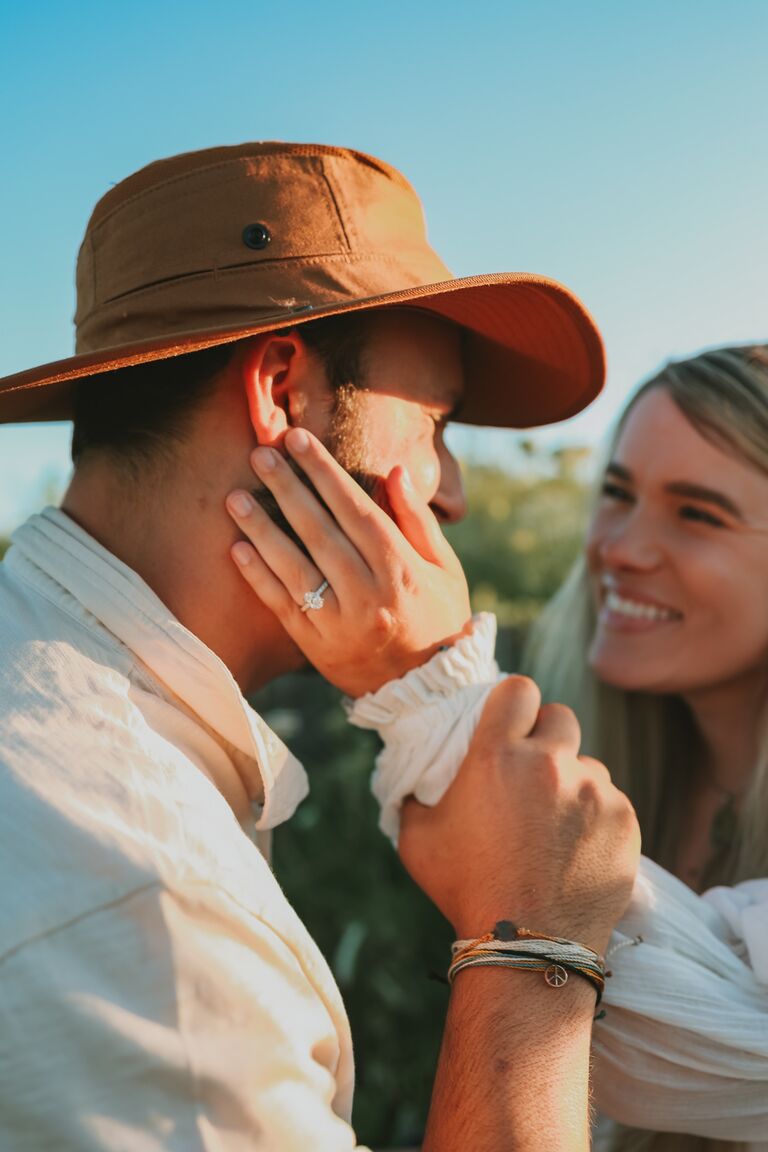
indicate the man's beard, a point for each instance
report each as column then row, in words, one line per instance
column 347, row 442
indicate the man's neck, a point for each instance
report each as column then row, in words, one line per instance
column 174, row 532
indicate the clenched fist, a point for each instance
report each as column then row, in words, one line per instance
column 529, row 831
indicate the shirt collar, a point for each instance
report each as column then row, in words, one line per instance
column 121, row 601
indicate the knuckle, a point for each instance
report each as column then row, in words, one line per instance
column 627, row 812
column 550, row 766
column 590, row 793
column 596, row 767
column 557, row 711
column 406, row 579
column 543, row 763
column 554, row 711
column 521, row 691
column 561, row 722
column 383, row 621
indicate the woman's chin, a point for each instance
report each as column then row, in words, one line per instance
column 617, row 670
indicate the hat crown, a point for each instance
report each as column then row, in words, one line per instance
column 166, row 250
column 210, row 247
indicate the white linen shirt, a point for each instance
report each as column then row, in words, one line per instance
column 157, row 992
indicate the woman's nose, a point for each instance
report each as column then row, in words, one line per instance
column 631, row 543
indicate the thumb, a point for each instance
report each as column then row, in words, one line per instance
column 415, row 518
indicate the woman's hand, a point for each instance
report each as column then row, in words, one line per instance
column 396, row 589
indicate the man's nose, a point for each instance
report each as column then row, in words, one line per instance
column 449, row 503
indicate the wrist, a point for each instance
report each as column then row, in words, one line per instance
column 522, row 949
column 413, row 660
column 517, row 990
column 557, row 923
column 457, row 662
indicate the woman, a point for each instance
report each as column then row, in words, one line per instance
column 671, row 609
column 667, row 611
column 659, row 638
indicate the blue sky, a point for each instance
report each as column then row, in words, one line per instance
column 619, row 148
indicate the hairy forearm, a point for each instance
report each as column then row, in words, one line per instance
column 513, row 1074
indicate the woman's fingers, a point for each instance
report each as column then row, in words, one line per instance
column 334, row 555
column 311, row 522
column 271, row 590
column 415, row 518
column 369, row 529
column 287, row 564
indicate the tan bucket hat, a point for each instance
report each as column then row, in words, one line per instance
column 214, row 246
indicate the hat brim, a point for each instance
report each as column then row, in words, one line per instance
column 533, row 353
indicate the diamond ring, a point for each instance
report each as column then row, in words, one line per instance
column 314, row 600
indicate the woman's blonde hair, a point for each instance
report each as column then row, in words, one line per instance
column 650, row 742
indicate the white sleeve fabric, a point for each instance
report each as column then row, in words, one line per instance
column 426, row 720
column 172, row 1022
column 684, row 1044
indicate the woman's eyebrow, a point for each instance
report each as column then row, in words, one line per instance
column 684, row 488
column 708, row 495
column 619, row 471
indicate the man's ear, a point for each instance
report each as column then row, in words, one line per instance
column 270, row 374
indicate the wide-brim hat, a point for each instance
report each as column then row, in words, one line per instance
column 209, row 247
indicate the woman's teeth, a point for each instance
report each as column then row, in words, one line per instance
column 622, row 607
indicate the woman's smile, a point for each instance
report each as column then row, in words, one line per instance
column 624, row 610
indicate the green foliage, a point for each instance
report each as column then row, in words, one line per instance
column 380, row 935
column 4, row 546
column 520, row 537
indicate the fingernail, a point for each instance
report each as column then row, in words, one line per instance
column 264, row 459
column 240, row 503
column 405, row 479
column 241, row 553
column 297, row 440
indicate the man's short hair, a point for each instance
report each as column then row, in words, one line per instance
column 138, row 414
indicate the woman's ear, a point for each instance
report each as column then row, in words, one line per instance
column 268, row 369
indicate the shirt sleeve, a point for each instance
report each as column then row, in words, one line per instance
column 167, row 1022
column 684, row 1043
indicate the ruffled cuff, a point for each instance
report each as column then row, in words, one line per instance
column 469, row 661
column 426, row 720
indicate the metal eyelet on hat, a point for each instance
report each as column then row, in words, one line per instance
column 256, row 236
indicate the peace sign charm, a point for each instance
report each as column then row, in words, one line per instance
column 556, row 976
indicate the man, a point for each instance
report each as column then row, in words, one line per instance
column 158, row 992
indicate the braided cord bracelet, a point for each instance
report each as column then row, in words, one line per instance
column 510, row 946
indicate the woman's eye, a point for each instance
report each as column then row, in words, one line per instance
column 700, row 516
column 615, row 491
